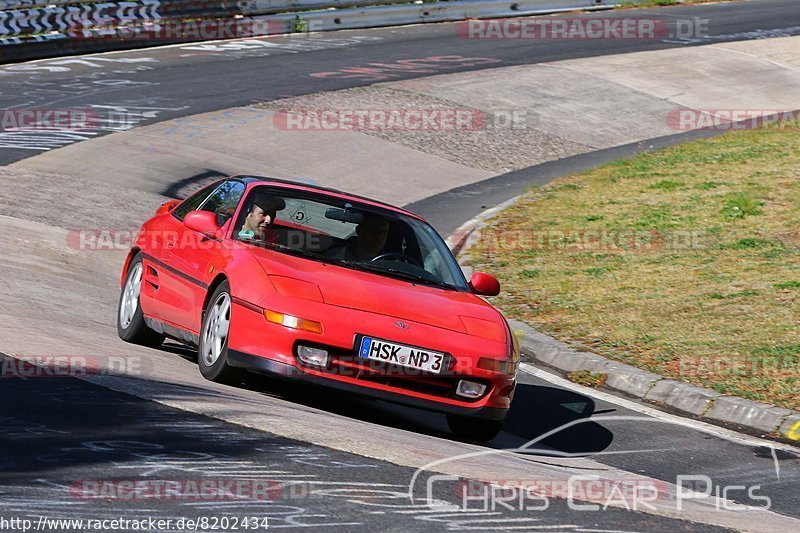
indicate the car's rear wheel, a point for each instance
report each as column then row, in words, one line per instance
column 131, row 326
column 471, row 428
column 212, row 357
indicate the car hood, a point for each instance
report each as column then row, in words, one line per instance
column 364, row 291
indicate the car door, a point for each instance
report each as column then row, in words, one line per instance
column 189, row 258
column 159, row 290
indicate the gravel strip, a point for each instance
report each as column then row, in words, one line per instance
column 493, row 144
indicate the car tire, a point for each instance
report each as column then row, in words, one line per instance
column 212, row 350
column 131, row 326
column 471, row 428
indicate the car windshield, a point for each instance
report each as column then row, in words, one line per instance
column 349, row 234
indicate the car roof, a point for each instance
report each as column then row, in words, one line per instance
column 249, row 180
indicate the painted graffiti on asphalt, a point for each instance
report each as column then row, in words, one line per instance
column 266, row 47
column 107, row 118
column 426, row 65
column 47, row 86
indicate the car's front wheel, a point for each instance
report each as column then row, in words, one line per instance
column 212, row 357
column 471, row 428
column 131, row 326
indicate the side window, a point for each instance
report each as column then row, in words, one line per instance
column 193, row 202
column 223, row 200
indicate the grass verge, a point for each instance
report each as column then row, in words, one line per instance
column 684, row 262
column 587, row 379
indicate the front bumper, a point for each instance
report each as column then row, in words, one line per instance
column 277, row 368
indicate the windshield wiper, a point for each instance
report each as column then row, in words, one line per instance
column 372, row 267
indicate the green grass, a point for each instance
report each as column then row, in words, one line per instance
column 667, row 185
column 587, row 379
column 741, row 204
column 750, row 242
column 697, row 258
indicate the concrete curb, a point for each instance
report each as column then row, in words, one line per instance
column 707, row 404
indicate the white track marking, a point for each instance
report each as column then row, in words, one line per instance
column 710, row 429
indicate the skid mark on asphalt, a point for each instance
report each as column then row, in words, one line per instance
column 31, row 86
column 425, row 65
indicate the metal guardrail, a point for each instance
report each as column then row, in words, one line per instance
column 436, row 12
column 6, row 5
column 70, row 17
column 266, row 6
column 67, row 26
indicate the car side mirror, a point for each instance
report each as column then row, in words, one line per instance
column 204, row 222
column 167, row 206
column 484, row 284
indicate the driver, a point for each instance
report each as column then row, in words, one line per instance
column 372, row 234
column 261, row 217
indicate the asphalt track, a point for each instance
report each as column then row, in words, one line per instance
column 70, row 435
column 44, row 451
column 52, row 466
column 181, row 80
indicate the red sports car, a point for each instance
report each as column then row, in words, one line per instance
column 322, row 286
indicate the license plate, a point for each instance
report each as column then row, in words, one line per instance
column 401, row 355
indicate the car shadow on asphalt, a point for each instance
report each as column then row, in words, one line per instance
column 543, row 420
column 551, row 420
column 535, row 412
column 186, row 352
